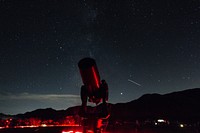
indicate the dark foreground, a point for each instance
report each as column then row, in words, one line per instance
column 108, row 130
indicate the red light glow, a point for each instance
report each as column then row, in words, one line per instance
column 95, row 77
column 67, row 131
column 71, row 132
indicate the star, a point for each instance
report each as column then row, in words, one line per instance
column 138, row 41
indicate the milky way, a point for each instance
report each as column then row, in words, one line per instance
column 155, row 43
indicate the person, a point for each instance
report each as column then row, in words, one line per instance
column 104, row 95
column 84, row 100
column 104, row 91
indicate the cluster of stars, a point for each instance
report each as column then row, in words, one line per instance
column 140, row 46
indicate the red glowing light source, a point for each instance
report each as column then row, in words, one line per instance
column 95, row 77
column 67, row 131
column 89, row 73
column 71, row 132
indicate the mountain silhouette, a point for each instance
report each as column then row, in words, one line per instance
column 181, row 105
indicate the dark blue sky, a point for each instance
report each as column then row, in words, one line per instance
column 140, row 47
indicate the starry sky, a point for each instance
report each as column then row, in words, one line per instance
column 140, row 46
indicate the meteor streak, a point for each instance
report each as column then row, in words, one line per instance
column 134, row 82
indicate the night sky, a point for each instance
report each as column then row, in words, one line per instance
column 140, row 46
